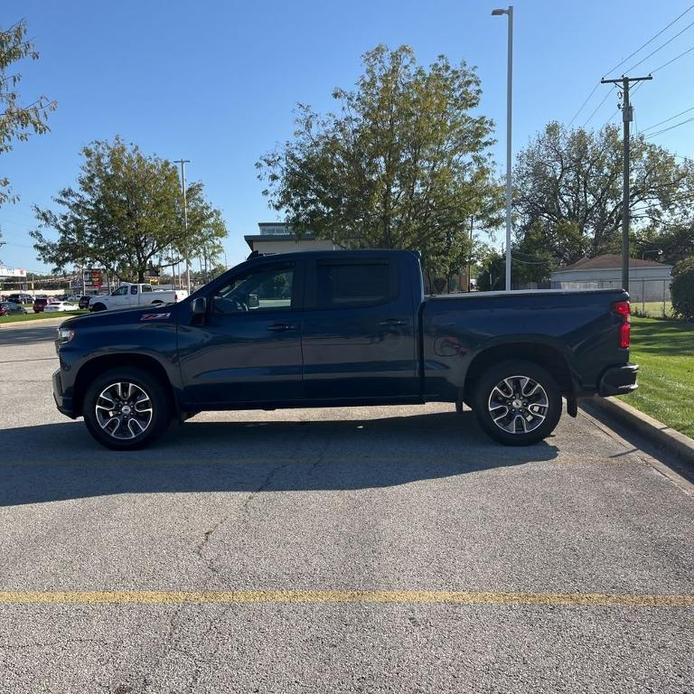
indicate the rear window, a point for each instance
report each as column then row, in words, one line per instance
column 352, row 284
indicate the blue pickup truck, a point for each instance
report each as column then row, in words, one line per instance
column 341, row 328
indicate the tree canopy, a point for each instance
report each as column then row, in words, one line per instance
column 568, row 193
column 126, row 215
column 403, row 163
column 17, row 121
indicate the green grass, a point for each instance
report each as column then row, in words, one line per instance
column 652, row 309
column 22, row 317
column 664, row 350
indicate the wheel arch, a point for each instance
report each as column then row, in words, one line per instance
column 547, row 356
column 96, row 366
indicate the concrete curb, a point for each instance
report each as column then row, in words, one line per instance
column 658, row 433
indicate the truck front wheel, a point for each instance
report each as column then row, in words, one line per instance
column 126, row 408
column 517, row 403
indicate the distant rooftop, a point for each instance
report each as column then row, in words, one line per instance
column 609, row 261
column 275, row 228
column 275, row 231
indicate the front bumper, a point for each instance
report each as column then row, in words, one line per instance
column 62, row 402
column 619, row 380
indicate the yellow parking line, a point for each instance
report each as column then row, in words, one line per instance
column 319, row 597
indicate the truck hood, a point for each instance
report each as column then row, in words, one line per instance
column 163, row 313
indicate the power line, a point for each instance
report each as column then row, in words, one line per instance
column 677, row 57
column 655, row 125
column 653, row 38
column 660, row 48
column 672, row 127
column 631, row 55
column 597, row 108
column 587, row 99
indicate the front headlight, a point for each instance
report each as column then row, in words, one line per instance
column 65, row 335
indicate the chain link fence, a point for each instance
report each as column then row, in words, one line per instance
column 649, row 297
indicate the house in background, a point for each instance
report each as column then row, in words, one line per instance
column 279, row 237
column 648, row 280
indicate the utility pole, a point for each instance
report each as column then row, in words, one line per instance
column 183, row 163
column 627, row 117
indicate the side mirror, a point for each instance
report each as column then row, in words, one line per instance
column 199, row 306
column 253, row 301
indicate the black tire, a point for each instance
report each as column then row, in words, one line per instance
column 522, row 417
column 97, row 307
column 133, row 429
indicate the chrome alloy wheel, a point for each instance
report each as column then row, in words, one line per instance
column 124, row 410
column 518, row 404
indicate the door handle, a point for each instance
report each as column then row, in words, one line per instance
column 393, row 322
column 281, row 327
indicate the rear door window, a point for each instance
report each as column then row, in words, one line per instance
column 340, row 284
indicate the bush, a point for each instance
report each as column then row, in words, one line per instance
column 682, row 289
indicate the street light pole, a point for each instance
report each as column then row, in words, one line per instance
column 183, row 163
column 509, row 154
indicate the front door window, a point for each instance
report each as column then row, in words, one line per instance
column 264, row 289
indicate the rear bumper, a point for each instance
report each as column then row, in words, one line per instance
column 63, row 403
column 619, row 380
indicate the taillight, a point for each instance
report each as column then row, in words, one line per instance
column 623, row 309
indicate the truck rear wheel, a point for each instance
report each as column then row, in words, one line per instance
column 126, row 409
column 517, row 403
column 98, row 307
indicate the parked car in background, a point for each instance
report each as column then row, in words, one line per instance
column 40, row 303
column 8, row 307
column 20, row 298
column 59, row 306
column 84, row 302
column 132, row 295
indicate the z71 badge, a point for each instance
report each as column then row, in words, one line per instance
column 155, row 316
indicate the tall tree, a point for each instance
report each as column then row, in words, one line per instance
column 126, row 215
column 17, row 121
column 669, row 243
column 404, row 163
column 569, row 189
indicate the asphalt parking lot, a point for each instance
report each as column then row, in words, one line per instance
column 366, row 550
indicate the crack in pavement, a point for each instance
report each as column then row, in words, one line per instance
column 207, row 536
column 171, row 641
column 266, row 484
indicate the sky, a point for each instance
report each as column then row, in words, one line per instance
column 217, row 82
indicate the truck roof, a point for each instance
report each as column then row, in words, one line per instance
column 365, row 252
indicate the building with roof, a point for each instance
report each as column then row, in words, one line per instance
column 279, row 237
column 12, row 273
column 648, row 279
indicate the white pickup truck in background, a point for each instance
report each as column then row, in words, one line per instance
column 131, row 295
